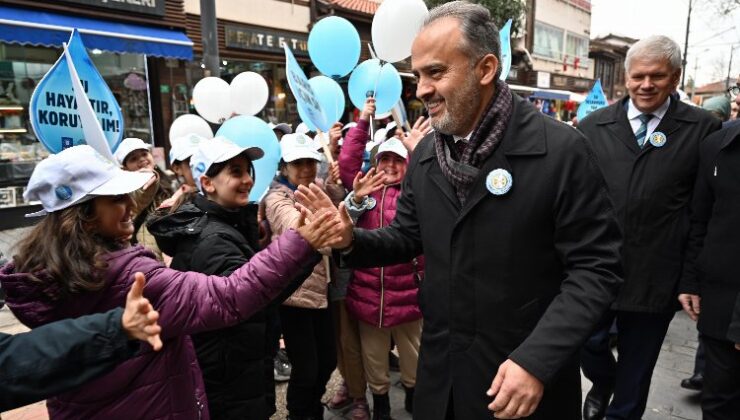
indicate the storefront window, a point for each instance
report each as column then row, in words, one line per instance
column 21, row 69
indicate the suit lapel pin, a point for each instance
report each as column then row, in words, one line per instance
column 658, row 139
column 499, row 181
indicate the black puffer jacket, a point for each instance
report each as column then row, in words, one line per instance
column 236, row 361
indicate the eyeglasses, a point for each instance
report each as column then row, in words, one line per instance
column 734, row 91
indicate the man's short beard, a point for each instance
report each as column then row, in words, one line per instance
column 463, row 104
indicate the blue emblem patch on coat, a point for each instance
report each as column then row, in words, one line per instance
column 658, row 139
column 499, row 181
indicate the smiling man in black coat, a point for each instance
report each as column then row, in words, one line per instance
column 647, row 146
column 519, row 235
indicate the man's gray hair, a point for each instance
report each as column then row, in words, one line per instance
column 655, row 47
column 480, row 34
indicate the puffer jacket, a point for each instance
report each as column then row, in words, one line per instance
column 165, row 384
column 237, row 368
column 379, row 296
column 279, row 204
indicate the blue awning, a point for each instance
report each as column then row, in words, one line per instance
column 545, row 94
column 41, row 28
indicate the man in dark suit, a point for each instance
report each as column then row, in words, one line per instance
column 647, row 148
column 513, row 218
column 710, row 286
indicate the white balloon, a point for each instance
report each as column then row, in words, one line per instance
column 395, row 26
column 210, row 97
column 188, row 124
column 249, row 93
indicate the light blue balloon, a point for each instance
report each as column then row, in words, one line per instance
column 370, row 79
column 334, row 46
column 305, row 118
column 53, row 106
column 249, row 131
column 331, row 98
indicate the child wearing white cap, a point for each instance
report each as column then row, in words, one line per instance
column 78, row 260
column 305, row 318
column 134, row 154
column 382, row 299
column 215, row 231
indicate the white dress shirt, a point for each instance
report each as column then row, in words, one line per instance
column 633, row 115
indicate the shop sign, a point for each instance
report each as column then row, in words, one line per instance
column 258, row 39
column 147, row 7
column 543, row 79
column 560, row 81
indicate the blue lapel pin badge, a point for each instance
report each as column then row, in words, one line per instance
column 658, row 139
column 499, row 181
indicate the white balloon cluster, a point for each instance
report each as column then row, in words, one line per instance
column 216, row 101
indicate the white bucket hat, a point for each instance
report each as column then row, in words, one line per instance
column 302, row 128
column 184, row 147
column 217, row 150
column 127, row 146
column 392, row 145
column 76, row 175
column 284, row 127
column 299, row 146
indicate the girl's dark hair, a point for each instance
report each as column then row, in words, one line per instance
column 64, row 246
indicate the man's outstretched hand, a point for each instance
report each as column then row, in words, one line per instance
column 139, row 317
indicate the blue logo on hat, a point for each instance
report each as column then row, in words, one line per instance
column 201, row 167
column 63, row 192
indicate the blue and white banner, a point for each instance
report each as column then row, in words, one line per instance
column 304, row 94
column 595, row 100
column 55, row 116
column 505, row 39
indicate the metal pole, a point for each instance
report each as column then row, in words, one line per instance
column 685, row 47
column 729, row 68
column 209, row 37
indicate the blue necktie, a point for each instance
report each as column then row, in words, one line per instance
column 642, row 131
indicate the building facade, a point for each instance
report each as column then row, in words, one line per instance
column 127, row 41
column 608, row 54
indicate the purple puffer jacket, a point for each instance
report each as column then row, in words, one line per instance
column 165, row 384
column 380, row 296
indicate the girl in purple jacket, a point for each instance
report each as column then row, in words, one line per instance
column 78, row 260
column 383, row 299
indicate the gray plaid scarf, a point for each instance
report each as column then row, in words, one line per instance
column 463, row 171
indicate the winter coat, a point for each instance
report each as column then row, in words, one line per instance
column 711, row 268
column 60, row 356
column 204, row 237
column 282, row 215
column 651, row 190
column 379, row 296
column 525, row 275
column 167, row 384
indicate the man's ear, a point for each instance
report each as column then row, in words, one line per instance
column 487, row 68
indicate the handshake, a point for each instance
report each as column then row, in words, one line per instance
column 321, row 223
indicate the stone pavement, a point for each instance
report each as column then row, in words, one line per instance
column 667, row 400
